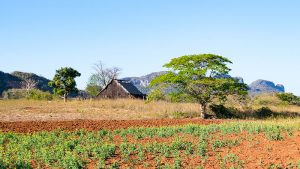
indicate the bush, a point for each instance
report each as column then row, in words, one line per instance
column 289, row 98
column 264, row 112
column 223, row 112
column 180, row 114
column 93, row 90
column 33, row 94
column 14, row 94
column 156, row 95
column 36, row 94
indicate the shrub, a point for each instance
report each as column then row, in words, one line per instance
column 14, row 94
column 264, row 112
column 223, row 112
column 34, row 94
column 180, row 114
column 289, row 98
column 156, row 95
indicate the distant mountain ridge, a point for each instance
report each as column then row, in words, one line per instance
column 144, row 81
column 265, row 86
column 257, row 87
column 15, row 79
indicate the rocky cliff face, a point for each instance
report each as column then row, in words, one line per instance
column 265, row 86
column 143, row 82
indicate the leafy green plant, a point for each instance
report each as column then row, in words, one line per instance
column 177, row 163
column 140, row 154
column 202, row 148
column 232, row 160
column 274, row 136
column 289, row 98
column 115, row 165
column 223, row 143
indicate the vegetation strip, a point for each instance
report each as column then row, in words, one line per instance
column 146, row 147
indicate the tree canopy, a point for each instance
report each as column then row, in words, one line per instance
column 202, row 77
column 64, row 81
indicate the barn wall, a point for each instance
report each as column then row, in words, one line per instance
column 114, row 91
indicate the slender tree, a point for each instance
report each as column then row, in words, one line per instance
column 64, row 82
column 29, row 84
column 202, row 77
column 101, row 78
column 103, row 75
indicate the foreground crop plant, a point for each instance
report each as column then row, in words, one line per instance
column 200, row 78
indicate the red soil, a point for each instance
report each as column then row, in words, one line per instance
column 90, row 125
column 253, row 150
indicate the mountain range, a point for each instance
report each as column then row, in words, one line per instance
column 262, row 86
column 257, row 87
column 18, row 79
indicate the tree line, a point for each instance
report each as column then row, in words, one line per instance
column 200, row 78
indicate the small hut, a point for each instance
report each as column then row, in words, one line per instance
column 120, row 89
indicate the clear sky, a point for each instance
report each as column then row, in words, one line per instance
column 261, row 37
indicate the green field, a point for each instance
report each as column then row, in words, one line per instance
column 193, row 146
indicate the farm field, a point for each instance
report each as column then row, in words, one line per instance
column 244, row 144
column 82, row 134
column 149, row 84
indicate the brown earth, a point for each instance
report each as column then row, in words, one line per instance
column 252, row 151
column 91, row 125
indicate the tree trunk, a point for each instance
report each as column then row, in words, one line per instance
column 65, row 97
column 203, row 111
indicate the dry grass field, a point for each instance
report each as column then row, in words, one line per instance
column 122, row 109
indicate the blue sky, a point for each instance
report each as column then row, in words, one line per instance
column 261, row 37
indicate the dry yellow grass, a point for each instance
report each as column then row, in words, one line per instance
column 22, row 110
column 272, row 102
column 264, row 100
column 121, row 109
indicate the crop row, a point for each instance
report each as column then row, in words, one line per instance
column 78, row 149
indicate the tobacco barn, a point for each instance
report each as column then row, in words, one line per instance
column 121, row 89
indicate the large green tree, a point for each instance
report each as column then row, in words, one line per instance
column 203, row 78
column 64, row 81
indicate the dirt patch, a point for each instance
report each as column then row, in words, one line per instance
column 251, row 151
column 92, row 125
